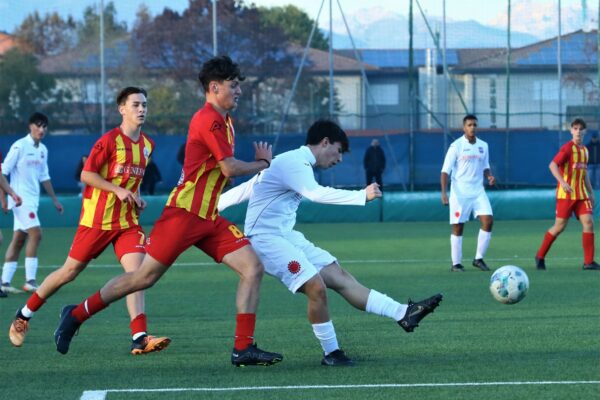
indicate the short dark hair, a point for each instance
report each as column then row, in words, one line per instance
column 38, row 119
column 579, row 121
column 325, row 128
column 469, row 117
column 219, row 69
column 124, row 94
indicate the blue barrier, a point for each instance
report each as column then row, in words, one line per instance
column 394, row 206
column 525, row 165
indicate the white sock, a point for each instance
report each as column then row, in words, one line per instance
column 31, row 266
column 8, row 270
column 456, row 249
column 325, row 332
column 483, row 242
column 380, row 304
column 137, row 335
column 27, row 312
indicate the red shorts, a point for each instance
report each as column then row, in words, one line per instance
column 177, row 229
column 566, row 207
column 89, row 243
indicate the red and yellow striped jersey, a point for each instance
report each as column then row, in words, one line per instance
column 210, row 140
column 572, row 160
column 121, row 161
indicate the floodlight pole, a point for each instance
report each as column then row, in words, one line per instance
column 102, row 72
column 445, row 86
column 559, row 72
column 331, row 109
column 507, row 107
column 214, row 26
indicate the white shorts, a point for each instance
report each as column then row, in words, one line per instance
column 462, row 207
column 290, row 258
column 25, row 217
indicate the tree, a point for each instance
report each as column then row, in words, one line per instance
column 24, row 89
column 295, row 23
column 46, row 36
column 175, row 45
column 89, row 29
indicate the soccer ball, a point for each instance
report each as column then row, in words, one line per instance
column 509, row 284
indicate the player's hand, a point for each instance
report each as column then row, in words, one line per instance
column 127, row 196
column 566, row 187
column 58, row 206
column 444, row 199
column 17, row 199
column 263, row 150
column 491, row 180
column 373, row 191
column 142, row 205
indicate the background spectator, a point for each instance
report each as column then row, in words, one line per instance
column 151, row 178
column 374, row 163
column 594, row 161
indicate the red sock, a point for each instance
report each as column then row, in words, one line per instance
column 35, row 302
column 244, row 330
column 587, row 240
column 548, row 240
column 89, row 307
column 138, row 325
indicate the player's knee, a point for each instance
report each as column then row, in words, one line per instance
column 69, row 273
column 146, row 281
column 254, row 271
column 19, row 241
column 315, row 290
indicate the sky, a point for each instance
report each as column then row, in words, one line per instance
column 12, row 12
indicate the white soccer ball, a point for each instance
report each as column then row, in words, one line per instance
column 509, row 284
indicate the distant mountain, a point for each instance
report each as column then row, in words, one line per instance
column 541, row 17
column 378, row 28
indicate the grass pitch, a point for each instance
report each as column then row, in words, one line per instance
column 546, row 347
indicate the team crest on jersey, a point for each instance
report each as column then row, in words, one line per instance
column 481, row 150
column 98, row 146
column 216, row 126
column 146, row 153
column 294, row 267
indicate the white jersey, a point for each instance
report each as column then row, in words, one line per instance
column 465, row 163
column 27, row 166
column 275, row 194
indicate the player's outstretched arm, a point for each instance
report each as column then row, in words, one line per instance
column 372, row 191
column 238, row 194
column 263, row 154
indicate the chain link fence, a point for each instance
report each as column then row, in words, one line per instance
column 409, row 67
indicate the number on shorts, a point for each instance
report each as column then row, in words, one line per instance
column 142, row 237
column 236, row 231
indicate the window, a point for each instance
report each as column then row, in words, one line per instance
column 546, row 89
column 383, row 95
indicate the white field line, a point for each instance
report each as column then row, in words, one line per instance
column 529, row 260
column 101, row 394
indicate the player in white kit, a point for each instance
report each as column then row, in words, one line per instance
column 27, row 165
column 467, row 162
column 274, row 196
